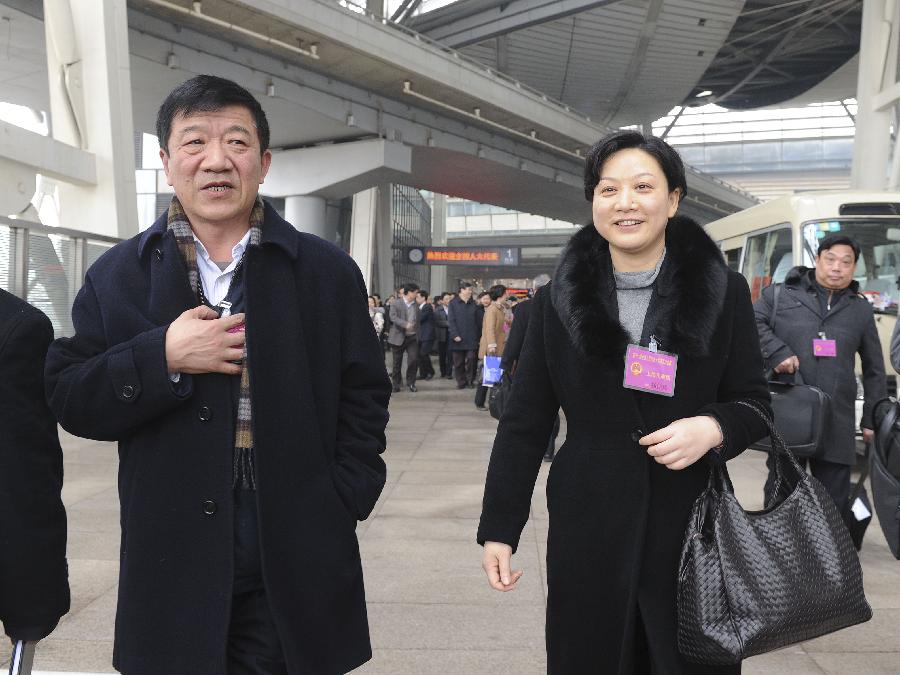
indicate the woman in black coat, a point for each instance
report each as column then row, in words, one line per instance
column 621, row 490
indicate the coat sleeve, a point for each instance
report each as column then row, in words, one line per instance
column 489, row 325
column 521, row 439
column 873, row 377
column 452, row 323
column 34, row 588
column 774, row 349
column 397, row 317
column 742, row 379
column 107, row 392
column 895, row 347
column 359, row 471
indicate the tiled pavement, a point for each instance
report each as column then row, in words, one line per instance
column 430, row 609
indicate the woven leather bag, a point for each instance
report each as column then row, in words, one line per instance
column 752, row 582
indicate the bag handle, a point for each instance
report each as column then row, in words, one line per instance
column 884, row 428
column 778, row 451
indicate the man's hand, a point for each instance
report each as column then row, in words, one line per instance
column 492, row 349
column 789, row 365
column 199, row 342
column 457, row 339
column 868, row 435
column 683, row 442
column 495, row 562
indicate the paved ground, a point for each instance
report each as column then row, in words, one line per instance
column 429, row 607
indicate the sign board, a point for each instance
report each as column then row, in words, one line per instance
column 478, row 256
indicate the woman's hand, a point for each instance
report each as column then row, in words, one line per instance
column 495, row 561
column 683, row 442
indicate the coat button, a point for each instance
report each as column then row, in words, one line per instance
column 209, row 507
column 127, row 391
column 637, row 435
column 205, row 414
column 159, row 254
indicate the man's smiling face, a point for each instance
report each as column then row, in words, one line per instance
column 215, row 164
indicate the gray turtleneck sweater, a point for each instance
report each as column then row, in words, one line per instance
column 633, row 292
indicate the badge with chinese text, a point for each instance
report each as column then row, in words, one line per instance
column 650, row 371
column 825, row 348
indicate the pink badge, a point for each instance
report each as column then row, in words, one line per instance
column 650, row 371
column 825, row 348
column 236, row 329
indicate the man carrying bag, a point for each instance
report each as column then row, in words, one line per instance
column 822, row 323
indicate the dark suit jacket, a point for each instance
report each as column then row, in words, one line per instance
column 426, row 323
column 34, row 586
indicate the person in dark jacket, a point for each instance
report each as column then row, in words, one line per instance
column 513, row 351
column 441, row 321
column 821, row 324
column 463, row 333
column 239, row 493
column 621, row 489
column 34, row 583
column 427, row 335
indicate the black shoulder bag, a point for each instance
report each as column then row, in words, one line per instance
column 886, row 473
column 753, row 582
column 799, row 409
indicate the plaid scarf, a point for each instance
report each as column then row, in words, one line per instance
column 180, row 226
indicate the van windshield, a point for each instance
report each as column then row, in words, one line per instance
column 878, row 268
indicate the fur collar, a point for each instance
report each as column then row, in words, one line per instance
column 690, row 293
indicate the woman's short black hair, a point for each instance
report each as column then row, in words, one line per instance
column 836, row 240
column 208, row 93
column 496, row 292
column 668, row 158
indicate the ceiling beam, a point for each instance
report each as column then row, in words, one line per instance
column 473, row 21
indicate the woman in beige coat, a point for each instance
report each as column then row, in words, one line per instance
column 493, row 333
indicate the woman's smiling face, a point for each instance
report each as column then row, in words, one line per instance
column 631, row 206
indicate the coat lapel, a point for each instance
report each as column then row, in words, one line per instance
column 170, row 291
column 690, row 293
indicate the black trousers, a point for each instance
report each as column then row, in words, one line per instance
column 442, row 358
column 411, row 347
column 425, row 367
column 254, row 647
column 835, row 478
column 464, row 366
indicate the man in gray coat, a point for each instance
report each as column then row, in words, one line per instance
column 403, row 336
column 821, row 323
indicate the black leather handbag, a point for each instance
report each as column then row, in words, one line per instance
column 799, row 409
column 885, row 470
column 752, row 582
column 499, row 395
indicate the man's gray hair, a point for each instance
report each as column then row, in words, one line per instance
column 540, row 280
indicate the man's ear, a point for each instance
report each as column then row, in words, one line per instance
column 164, row 156
column 266, row 161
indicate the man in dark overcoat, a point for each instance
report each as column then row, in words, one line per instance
column 233, row 359
column 462, row 333
column 817, row 306
column 34, row 583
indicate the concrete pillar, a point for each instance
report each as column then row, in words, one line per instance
column 439, row 238
column 383, row 281
column 871, row 147
column 363, row 223
column 309, row 214
column 90, row 104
